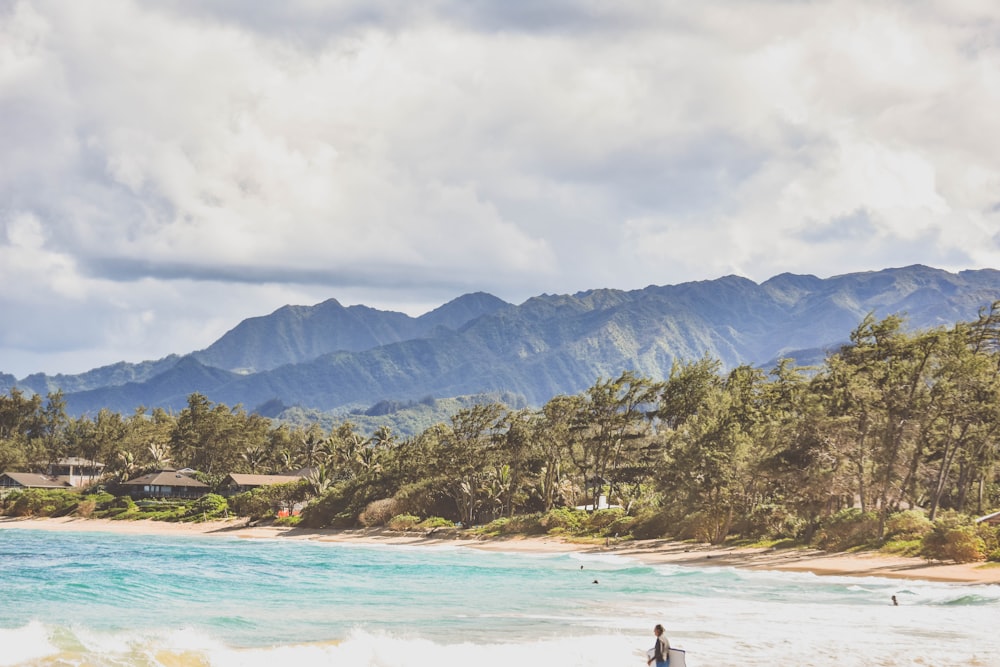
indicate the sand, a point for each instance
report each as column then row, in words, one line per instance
column 648, row 551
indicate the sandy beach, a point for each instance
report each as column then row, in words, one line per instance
column 648, row 551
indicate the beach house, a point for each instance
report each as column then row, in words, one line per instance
column 18, row 481
column 166, row 484
column 76, row 471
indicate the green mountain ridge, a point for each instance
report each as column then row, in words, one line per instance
column 548, row 345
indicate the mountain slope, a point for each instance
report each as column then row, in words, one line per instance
column 551, row 344
column 294, row 334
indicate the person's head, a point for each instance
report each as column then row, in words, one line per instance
column 658, row 630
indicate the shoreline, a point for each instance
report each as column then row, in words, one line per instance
column 861, row 564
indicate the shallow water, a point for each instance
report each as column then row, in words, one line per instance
column 110, row 599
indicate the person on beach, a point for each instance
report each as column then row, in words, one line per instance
column 659, row 655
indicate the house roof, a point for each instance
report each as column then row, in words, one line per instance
column 166, row 478
column 262, row 480
column 36, row 481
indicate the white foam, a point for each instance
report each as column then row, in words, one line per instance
column 31, row 642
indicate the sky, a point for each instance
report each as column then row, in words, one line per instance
column 170, row 168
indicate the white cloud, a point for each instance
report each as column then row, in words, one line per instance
column 163, row 157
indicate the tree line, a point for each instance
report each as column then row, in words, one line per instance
column 892, row 420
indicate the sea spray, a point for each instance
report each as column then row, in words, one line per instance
column 19, row 645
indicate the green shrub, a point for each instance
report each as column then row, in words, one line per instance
column 845, row 529
column 253, row 504
column 521, row 524
column 772, row 520
column 210, row 506
column 908, row 525
column 710, row 526
column 435, row 522
column 623, row 526
column 378, row 512
column 329, row 510
column 600, row 522
column 117, row 508
column 991, row 539
column 957, row 543
column 525, row 524
column 85, row 508
column 494, row 527
column 652, row 524
column 42, row 502
column 903, row 547
column 563, row 520
column 164, row 515
column 403, row 522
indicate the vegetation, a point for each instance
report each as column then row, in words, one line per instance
column 893, row 440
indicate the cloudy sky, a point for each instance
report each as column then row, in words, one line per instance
column 170, row 168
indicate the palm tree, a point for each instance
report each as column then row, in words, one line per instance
column 256, row 457
column 159, row 454
column 312, row 447
column 319, row 480
column 126, row 465
column 383, row 437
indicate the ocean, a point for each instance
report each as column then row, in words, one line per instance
column 96, row 599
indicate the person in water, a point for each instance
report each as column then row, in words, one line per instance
column 660, row 653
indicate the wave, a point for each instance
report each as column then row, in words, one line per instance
column 25, row 644
column 967, row 600
column 40, row 646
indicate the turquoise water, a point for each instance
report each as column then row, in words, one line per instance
column 79, row 598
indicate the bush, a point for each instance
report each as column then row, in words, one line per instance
column 773, row 521
column 623, row 526
column 209, row 506
column 991, row 539
column 86, row 508
column 957, row 543
column 710, row 526
column 435, row 522
column 908, row 525
column 41, row 502
column 847, row 528
column 651, row 524
column 378, row 512
column 327, row 511
column 910, row 548
column 252, row 504
column 563, row 520
column 522, row 524
column 403, row 522
column 601, row 521
column 120, row 508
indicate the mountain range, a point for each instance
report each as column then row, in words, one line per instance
column 329, row 357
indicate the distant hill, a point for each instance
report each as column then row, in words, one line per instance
column 328, row 357
column 295, row 334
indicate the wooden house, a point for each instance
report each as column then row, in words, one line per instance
column 166, row 484
column 76, row 471
column 17, row 481
column 240, row 482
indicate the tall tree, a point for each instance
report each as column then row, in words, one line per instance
column 467, row 453
column 610, row 426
